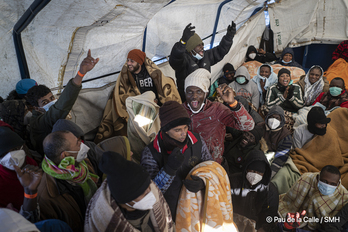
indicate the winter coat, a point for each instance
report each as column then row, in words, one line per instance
column 184, row 63
column 254, row 202
column 211, row 123
column 293, row 63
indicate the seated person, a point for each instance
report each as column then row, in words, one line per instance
column 277, row 137
column 287, row 58
column 341, row 51
column 69, row 181
column 226, row 78
column 21, row 90
column 264, row 79
column 239, row 149
column 47, row 109
column 336, row 96
column 320, row 194
column 285, row 94
column 11, row 153
column 138, row 75
column 313, row 84
column 316, row 125
column 128, row 200
column 259, row 55
column 205, row 114
column 253, row 196
column 173, row 153
column 242, row 86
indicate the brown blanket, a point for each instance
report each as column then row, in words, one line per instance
column 115, row 115
column 329, row 149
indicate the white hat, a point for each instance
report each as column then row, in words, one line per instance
column 199, row 78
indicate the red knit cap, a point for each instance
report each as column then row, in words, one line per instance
column 137, row 55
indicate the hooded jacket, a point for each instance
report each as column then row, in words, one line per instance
column 249, row 90
column 263, row 58
column 254, row 202
column 272, row 79
column 293, row 63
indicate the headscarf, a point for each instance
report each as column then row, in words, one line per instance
column 312, row 91
column 273, row 78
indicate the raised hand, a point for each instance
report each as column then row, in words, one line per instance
column 286, row 92
column 88, row 63
column 260, row 50
column 188, row 32
column 231, row 29
column 29, row 177
column 226, row 93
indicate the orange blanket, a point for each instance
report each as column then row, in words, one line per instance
column 338, row 69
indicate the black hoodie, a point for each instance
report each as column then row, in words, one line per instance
column 254, row 202
column 263, row 58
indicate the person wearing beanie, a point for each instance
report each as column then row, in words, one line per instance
column 245, row 88
column 259, row 55
column 253, row 195
column 21, row 90
column 11, row 153
column 237, row 151
column 287, row 58
column 173, row 153
column 69, row 180
column 316, row 125
column 47, row 110
column 128, row 200
column 188, row 54
column 138, row 75
column 210, row 119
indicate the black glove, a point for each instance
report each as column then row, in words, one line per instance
column 175, row 159
column 231, row 29
column 188, row 32
column 290, row 92
column 195, row 184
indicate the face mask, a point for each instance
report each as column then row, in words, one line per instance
column 144, row 204
column 47, row 106
column 13, row 158
column 252, row 55
column 335, row 91
column 27, row 118
column 286, row 62
column 82, row 153
column 326, row 189
column 197, row 111
column 253, row 178
column 273, row 123
column 197, row 56
column 240, row 80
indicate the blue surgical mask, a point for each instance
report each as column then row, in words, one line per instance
column 335, row 91
column 48, row 105
column 326, row 189
column 240, row 80
column 197, row 56
column 286, row 62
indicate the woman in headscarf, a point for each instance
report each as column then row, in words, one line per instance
column 259, row 55
column 287, row 58
column 264, row 79
column 313, row 84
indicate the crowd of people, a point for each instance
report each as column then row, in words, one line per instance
column 228, row 155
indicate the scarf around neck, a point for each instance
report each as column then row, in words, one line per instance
column 67, row 170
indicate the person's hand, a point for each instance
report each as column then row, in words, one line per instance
column 29, row 177
column 175, row 159
column 88, row 63
column 262, row 84
column 188, row 33
column 195, row 184
column 260, row 50
column 226, row 93
column 293, row 220
column 231, row 29
column 286, row 92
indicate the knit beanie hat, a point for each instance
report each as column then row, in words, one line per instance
column 9, row 140
column 199, row 78
column 258, row 133
column 67, row 125
column 284, row 70
column 126, row 179
column 137, row 55
column 258, row 165
column 193, row 42
column 228, row 68
column 24, row 85
column 173, row 114
column 317, row 115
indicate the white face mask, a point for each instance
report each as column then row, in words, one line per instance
column 144, row 204
column 197, row 56
column 253, row 178
column 273, row 123
column 252, row 55
column 13, row 158
column 48, row 105
column 82, row 153
column 197, row 111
